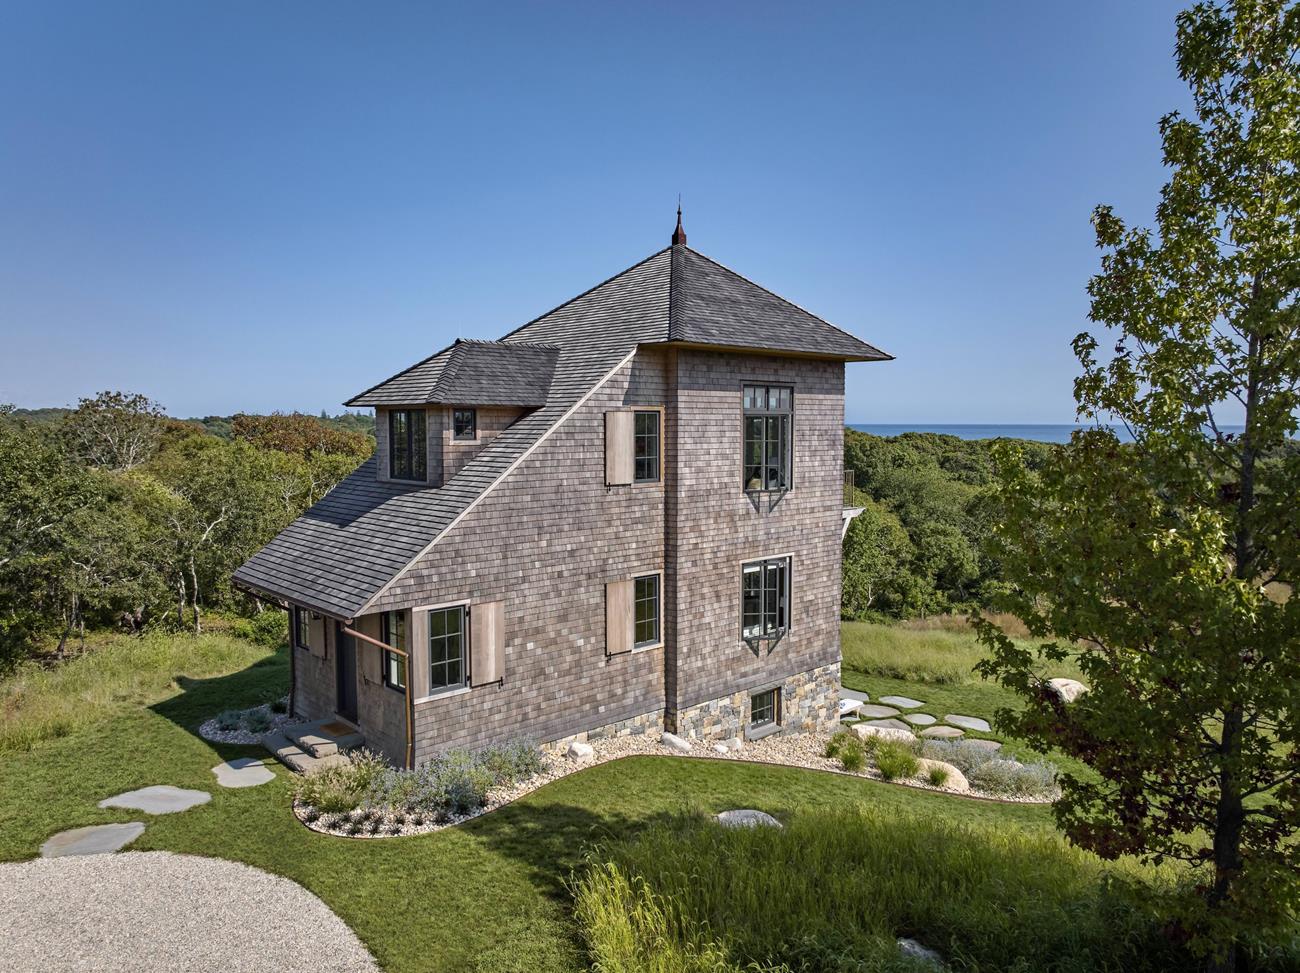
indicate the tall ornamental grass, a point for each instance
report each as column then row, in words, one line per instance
column 834, row 889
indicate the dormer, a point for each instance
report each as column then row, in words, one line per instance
column 434, row 417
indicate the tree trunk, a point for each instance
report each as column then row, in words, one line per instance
column 194, row 579
column 1229, row 818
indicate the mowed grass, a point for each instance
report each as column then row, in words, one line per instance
column 489, row 895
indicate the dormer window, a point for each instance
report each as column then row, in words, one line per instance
column 464, row 425
column 407, row 459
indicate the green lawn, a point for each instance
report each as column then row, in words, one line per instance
column 488, row 895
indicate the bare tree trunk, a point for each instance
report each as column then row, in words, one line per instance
column 194, row 579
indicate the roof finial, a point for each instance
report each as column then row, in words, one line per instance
column 679, row 235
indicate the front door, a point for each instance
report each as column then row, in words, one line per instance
column 346, row 673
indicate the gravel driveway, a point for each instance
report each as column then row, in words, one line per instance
column 158, row 911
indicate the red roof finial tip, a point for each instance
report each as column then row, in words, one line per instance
column 679, row 235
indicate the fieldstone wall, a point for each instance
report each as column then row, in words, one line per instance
column 809, row 703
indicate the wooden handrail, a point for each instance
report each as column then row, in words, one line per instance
column 410, row 739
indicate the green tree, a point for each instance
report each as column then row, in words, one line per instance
column 115, row 430
column 877, row 563
column 1149, row 563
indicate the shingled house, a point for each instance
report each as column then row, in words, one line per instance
column 624, row 516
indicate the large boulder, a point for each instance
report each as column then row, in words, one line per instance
column 1066, row 690
column 673, row 742
column 579, row 751
column 865, row 730
column 747, row 818
column 955, row 781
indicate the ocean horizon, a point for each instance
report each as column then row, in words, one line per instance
column 1039, row 432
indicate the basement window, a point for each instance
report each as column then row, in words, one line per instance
column 764, row 709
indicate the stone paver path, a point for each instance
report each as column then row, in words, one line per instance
column 902, row 702
column 243, row 772
column 871, row 711
column 854, row 694
column 943, row 733
column 849, row 706
column 968, row 722
column 887, row 724
column 920, row 719
column 747, row 818
column 990, row 745
column 158, row 799
column 98, row 839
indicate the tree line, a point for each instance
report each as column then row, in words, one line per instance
column 114, row 514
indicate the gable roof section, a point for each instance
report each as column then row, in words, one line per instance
column 471, row 372
column 340, row 555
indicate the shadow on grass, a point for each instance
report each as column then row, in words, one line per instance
column 201, row 699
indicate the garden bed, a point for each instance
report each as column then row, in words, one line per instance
column 247, row 725
column 429, row 811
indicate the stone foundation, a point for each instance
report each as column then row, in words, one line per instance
column 809, row 703
column 652, row 722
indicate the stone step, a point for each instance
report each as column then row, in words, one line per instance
column 322, row 738
column 293, row 757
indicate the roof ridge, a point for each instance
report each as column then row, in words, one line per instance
column 508, row 344
column 785, row 300
column 676, row 283
column 628, row 269
column 411, row 368
column 448, row 372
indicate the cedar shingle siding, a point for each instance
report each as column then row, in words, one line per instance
column 531, row 516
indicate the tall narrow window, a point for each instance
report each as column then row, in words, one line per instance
column 392, row 626
column 302, row 628
column 765, row 599
column 464, row 424
column 646, row 451
column 767, row 449
column 446, row 648
column 646, row 614
column 406, row 445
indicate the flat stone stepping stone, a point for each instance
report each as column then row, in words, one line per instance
column 902, row 702
column 888, row 724
column 853, row 694
column 849, row 706
column 991, row 746
column 98, row 839
column 871, row 711
column 969, row 723
column 242, row 772
column 747, row 818
column 920, row 719
column 943, row 733
column 158, row 799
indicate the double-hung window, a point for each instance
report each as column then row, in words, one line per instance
column 646, row 447
column 767, row 446
column 464, row 424
column 765, row 599
column 646, row 611
column 406, row 445
column 447, row 641
column 302, row 628
column 392, row 628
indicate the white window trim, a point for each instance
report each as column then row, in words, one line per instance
column 465, row 603
column 659, row 643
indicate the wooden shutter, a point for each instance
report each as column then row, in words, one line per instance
column 487, row 641
column 620, row 442
column 618, row 617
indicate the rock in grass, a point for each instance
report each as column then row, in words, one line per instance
column 1066, row 690
column 674, row 742
column 747, row 818
column 915, row 951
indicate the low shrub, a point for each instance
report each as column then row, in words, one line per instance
column 895, row 760
column 229, row 720
column 280, row 705
column 937, row 776
column 989, row 772
column 833, row 889
column 257, row 721
column 268, row 628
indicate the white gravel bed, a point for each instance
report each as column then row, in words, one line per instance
column 802, row 750
column 153, row 910
column 209, row 731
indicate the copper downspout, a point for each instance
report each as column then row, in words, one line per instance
column 410, row 741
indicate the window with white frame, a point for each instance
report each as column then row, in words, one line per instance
column 447, row 642
column 393, row 632
column 767, row 447
column 765, row 599
column 646, row 611
column 646, row 447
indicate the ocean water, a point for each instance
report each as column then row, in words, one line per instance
column 1042, row 433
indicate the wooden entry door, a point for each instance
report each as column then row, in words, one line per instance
column 345, row 675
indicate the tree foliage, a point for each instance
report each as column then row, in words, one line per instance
column 1165, row 567
column 115, row 430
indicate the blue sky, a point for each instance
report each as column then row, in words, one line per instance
column 251, row 206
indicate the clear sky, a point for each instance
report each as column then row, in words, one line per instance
column 253, row 206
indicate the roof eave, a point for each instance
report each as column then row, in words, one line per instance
column 874, row 354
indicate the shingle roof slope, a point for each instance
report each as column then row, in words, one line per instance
column 471, row 372
column 342, row 552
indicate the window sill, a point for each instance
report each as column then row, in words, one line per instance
column 647, row 648
column 396, row 689
column 759, row 732
column 458, row 691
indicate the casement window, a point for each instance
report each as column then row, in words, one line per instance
column 645, row 453
column 406, row 445
column 447, row 638
column 464, row 424
column 302, row 628
column 767, row 448
column 764, row 709
column 645, row 622
column 765, row 599
column 392, row 631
